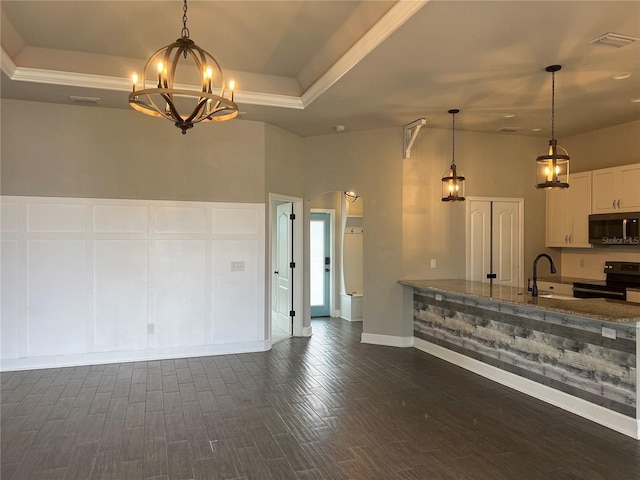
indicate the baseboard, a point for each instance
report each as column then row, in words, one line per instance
column 96, row 358
column 387, row 340
column 306, row 331
column 336, row 313
column 596, row 413
column 352, row 319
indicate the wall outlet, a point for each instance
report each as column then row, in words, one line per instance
column 433, row 263
column 438, row 297
column 609, row 333
column 237, row 266
column 151, row 328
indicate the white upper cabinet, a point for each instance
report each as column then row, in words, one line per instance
column 616, row 189
column 568, row 213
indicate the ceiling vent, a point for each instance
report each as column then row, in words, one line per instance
column 509, row 129
column 84, row 100
column 614, row 40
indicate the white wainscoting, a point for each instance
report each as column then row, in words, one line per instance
column 96, row 281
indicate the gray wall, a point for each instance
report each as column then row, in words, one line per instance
column 370, row 163
column 70, row 151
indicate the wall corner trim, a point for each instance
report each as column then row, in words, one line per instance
column 387, row 340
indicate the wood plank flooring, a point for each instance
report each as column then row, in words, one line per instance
column 325, row 407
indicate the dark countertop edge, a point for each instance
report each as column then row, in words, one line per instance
column 564, row 306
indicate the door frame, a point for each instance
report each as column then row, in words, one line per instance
column 297, row 282
column 520, row 202
column 332, row 254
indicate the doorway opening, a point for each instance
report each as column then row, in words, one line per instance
column 285, row 267
column 320, row 262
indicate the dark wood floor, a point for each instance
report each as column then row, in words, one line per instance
column 325, row 407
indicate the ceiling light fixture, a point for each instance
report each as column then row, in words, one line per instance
column 452, row 179
column 168, row 99
column 553, row 166
column 351, row 196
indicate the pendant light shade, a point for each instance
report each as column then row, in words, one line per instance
column 553, row 162
column 452, row 178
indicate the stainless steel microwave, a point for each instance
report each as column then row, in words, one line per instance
column 614, row 229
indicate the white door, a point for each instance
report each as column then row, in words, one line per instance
column 494, row 243
column 281, row 304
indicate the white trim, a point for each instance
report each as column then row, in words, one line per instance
column 402, row 11
column 603, row 416
column 387, row 340
column 353, row 320
column 307, row 331
column 97, row 358
column 7, row 63
column 103, row 82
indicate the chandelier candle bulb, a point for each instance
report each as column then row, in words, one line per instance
column 134, row 79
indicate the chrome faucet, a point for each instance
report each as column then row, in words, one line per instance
column 534, row 289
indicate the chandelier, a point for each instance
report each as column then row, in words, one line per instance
column 553, row 163
column 183, row 104
column 452, row 178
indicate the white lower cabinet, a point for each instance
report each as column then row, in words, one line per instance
column 568, row 213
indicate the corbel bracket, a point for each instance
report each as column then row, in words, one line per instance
column 410, row 133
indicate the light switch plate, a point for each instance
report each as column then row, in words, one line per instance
column 237, row 266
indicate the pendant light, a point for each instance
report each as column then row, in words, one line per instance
column 182, row 104
column 452, row 178
column 553, row 163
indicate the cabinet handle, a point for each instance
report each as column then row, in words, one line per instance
column 566, row 239
column 570, row 239
column 614, row 204
column 618, row 203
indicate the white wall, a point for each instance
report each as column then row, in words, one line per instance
column 93, row 280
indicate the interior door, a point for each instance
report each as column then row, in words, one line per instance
column 281, row 319
column 493, row 241
column 320, row 264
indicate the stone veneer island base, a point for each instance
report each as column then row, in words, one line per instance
column 551, row 349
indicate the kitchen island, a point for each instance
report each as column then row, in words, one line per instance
column 579, row 354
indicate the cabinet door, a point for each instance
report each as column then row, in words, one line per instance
column 629, row 194
column 558, row 217
column 604, row 193
column 580, row 191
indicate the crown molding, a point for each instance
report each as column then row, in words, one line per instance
column 7, row 64
column 393, row 19
column 86, row 80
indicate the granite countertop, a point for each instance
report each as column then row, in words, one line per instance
column 595, row 308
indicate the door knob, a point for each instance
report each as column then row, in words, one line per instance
column 327, row 270
column 277, row 272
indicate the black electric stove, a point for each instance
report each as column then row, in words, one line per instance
column 620, row 276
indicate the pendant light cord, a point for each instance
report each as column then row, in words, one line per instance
column 453, row 140
column 185, row 30
column 553, row 103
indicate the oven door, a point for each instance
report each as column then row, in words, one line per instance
column 588, row 290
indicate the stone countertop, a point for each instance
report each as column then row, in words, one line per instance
column 595, row 308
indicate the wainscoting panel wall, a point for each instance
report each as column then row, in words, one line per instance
column 95, row 280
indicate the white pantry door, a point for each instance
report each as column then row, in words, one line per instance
column 494, row 240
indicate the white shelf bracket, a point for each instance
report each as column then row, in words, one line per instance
column 410, row 133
